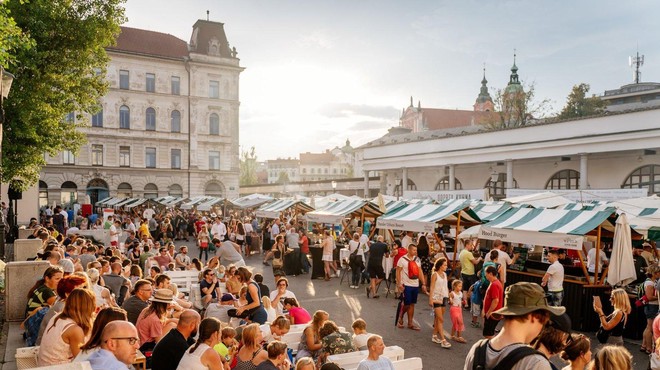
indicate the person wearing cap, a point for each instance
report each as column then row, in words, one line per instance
column 648, row 253
column 169, row 351
column 525, row 313
column 67, row 266
column 554, row 279
column 219, row 310
column 554, row 337
column 640, row 264
column 152, row 324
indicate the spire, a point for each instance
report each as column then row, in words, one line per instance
column 419, row 105
column 411, row 102
column 484, row 101
column 513, row 80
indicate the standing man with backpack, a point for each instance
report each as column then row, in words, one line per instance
column 408, row 276
column 525, row 312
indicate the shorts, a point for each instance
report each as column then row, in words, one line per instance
column 376, row 271
column 489, row 327
column 327, row 258
column 410, row 294
column 651, row 311
column 475, row 309
column 468, row 280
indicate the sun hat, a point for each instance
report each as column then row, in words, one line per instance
column 163, row 295
column 525, row 297
column 213, row 215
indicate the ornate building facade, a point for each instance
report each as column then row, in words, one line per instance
column 168, row 124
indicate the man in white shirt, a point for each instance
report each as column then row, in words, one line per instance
column 281, row 292
column 554, row 279
column 503, row 258
column 375, row 359
column 219, row 230
column 591, row 259
column 115, row 230
column 148, row 213
column 407, row 239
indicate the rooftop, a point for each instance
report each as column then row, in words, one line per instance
column 134, row 40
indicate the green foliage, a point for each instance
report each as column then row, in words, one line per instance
column 578, row 105
column 11, row 37
column 517, row 107
column 248, row 167
column 55, row 77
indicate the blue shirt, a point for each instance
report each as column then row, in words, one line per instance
column 105, row 360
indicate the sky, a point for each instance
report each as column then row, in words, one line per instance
column 321, row 72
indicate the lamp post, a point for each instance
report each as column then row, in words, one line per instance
column 334, row 186
column 494, row 176
column 6, row 80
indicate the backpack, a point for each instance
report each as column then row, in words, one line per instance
column 510, row 360
column 413, row 269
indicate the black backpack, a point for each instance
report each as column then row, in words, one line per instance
column 479, row 361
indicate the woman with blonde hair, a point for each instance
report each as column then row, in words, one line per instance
column 305, row 363
column 612, row 358
column 310, row 341
column 67, row 331
column 270, row 310
column 251, row 353
column 103, row 297
column 616, row 321
column 203, row 241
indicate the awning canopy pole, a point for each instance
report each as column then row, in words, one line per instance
column 597, row 255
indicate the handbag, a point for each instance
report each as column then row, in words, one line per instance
column 654, row 361
column 278, row 262
column 204, row 245
column 603, row 335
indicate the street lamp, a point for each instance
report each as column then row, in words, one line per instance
column 334, row 186
column 6, row 80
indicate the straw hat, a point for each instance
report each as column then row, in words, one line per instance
column 163, row 296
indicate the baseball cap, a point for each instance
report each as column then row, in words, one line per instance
column 525, row 297
column 227, row 297
column 561, row 322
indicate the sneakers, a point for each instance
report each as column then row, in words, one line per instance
column 435, row 339
column 353, row 287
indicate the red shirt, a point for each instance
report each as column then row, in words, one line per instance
column 199, row 224
column 494, row 291
column 304, row 246
column 400, row 252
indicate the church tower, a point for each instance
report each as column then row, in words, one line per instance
column 484, row 102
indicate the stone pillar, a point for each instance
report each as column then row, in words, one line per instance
column 509, row 174
column 383, row 182
column 366, row 184
column 452, row 178
column 19, row 277
column 584, row 177
column 404, row 180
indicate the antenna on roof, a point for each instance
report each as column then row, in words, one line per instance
column 636, row 61
column 207, row 15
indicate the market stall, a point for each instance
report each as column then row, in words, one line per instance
column 249, row 201
column 275, row 209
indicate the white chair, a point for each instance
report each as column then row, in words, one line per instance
column 413, row 363
column 196, row 296
column 84, row 365
column 26, row 357
column 352, row 359
column 184, row 279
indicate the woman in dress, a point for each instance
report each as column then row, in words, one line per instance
column 438, row 300
column 251, row 353
column 103, row 318
column 66, row 332
column 257, row 312
column 202, row 356
column 203, row 241
column 240, row 238
column 310, row 341
column 328, row 245
column 424, row 255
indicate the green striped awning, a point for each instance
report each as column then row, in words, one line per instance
column 424, row 217
column 274, row 209
column 335, row 212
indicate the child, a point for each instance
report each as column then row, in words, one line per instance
column 476, row 299
column 455, row 311
column 438, row 297
column 228, row 344
column 360, row 335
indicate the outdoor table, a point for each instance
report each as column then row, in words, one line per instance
column 140, row 361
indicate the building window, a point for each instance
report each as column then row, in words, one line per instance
column 124, row 117
column 214, row 189
column 214, row 124
column 411, row 186
column 150, row 123
column 68, row 157
column 69, row 193
column 124, row 156
column 313, row 171
column 176, row 158
column 175, row 190
column 150, row 157
column 214, row 89
column 214, row 160
column 176, row 83
column 97, row 119
column 565, row 180
column 176, row 121
column 304, row 171
column 123, row 79
column 325, row 170
column 43, row 194
column 443, row 184
column 497, row 190
column 151, row 82
column 150, row 191
column 124, row 190
column 97, row 155
column 70, row 117
column 644, row 177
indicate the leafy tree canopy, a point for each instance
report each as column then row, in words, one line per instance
column 579, row 105
column 517, row 108
column 64, row 72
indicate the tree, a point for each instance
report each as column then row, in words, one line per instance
column 578, row 105
column 63, row 73
column 516, row 107
column 11, row 38
column 248, row 167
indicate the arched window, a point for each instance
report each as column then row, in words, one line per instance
column 176, row 121
column 214, row 124
column 214, row 189
column 443, row 184
column 151, row 191
column 43, row 194
column 565, row 180
column 644, row 177
column 411, row 186
column 124, row 190
column 124, row 117
column 69, row 193
column 497, row 189
column 175, row 190
column 150, row 124
column 97, row 189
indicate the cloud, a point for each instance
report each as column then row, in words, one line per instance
column 372, row 125
column 337, row 110
column 317, row 39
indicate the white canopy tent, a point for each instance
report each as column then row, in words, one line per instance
column 540, row 200
column 274, row 209
column 334, row 213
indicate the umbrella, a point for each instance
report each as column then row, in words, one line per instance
column 622, row 267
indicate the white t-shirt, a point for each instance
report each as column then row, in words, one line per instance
column 278, row 305
column 556, row 279
column 148, row 213
column 591, row 260
column 503, row 259
column 219, row 230
column 114, row 235
column 405, row 279
column 405, row 241
column 360, row 340
column 383, row 363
